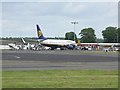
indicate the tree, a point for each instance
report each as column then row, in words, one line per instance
column 100, row 40
column 110, row 34
column 88, row 35
column 118, row 35
column 70, row 36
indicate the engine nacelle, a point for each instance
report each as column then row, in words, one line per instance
column 70, row 46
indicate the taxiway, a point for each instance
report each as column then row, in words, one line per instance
column 62, row 60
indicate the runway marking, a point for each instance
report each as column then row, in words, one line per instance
column 17, row 57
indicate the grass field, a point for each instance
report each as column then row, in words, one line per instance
column 60, row 79
column 0, row 79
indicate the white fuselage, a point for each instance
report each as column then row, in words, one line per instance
column 58, row 42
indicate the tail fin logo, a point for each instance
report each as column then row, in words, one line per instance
column 39, row 33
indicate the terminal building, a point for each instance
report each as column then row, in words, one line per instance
column 100, row 46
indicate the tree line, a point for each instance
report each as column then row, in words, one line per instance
column 87, row 35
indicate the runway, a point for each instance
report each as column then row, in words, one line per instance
column 58, row 60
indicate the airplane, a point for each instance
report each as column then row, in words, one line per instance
column 14, row 46
column 53, row 43
column 25, row 45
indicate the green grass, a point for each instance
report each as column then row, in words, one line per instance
column 60, row 79
column 0, row 79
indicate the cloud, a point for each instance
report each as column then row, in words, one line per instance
column 59, row 0
column 19, row 19
column 0, row 19
column 74, row 8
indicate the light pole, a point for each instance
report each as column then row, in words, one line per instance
column 74, row 22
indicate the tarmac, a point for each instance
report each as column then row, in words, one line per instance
column 58, row 60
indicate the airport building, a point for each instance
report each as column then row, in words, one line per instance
column 100, row 46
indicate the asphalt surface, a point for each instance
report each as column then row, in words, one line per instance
column 62, row 60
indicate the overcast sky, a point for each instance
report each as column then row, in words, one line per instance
column 19, row 18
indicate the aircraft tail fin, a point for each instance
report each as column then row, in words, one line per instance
column 40, row 34
column 23, row 41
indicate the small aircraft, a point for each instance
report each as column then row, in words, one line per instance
column 25, row 45
column 55, row 43
column 14, row 46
